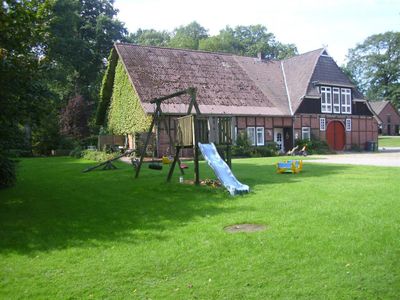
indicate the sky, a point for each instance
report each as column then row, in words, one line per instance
column 337, row 25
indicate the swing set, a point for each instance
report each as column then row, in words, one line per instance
column 191, row 129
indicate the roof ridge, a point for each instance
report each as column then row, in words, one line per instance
column 305, row 53
column 180, row 49
column 287, row 89
column 214, row 52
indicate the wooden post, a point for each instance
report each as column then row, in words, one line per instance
column 176, row 159
column 147, row 140
column 107, row 164
column 196, row 152
column 229, row 156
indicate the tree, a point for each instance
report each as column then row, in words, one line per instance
column 81, row 34
column 23, row 93
column 249, row 41
column 375, row 66
column 188, row 37
column 149, row 37
column 74, row 118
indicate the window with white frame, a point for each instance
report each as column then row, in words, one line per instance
column 346, row 101
column 322, row 124
column 336, row 100
column 326, row 99
column 260, row 136
column 305, row 133
column 251, row 135
column 348, row 124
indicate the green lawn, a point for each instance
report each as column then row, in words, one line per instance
column 333, row 233
column 389, row 141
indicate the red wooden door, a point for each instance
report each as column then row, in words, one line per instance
column 335, row 135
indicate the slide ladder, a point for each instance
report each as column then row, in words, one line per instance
column 221, row 170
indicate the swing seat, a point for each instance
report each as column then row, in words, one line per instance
column 155, row 166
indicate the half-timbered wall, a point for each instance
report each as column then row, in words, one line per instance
column 363, row 128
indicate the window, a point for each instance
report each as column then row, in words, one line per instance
column 305, row 133
column 348, row 124
column 389, row 119
column 260, row 136
column 336, row 100
column 235, row 134
column 326, row 100
column 346, row 101
column 251, row 135
column 322, row 124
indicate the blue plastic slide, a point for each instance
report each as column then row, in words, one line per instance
column 222, row 170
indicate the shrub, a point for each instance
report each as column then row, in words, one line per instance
column 252, row 151
column 267, row 150
column 7, row 172
column 98, row 155
column 314, row 146
column 76, row 152
column 241, row 151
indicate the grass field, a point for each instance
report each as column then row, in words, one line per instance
column 389, row 141
column 333, row 232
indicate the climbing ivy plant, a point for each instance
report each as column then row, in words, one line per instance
column 125, row 114
column 106, row 88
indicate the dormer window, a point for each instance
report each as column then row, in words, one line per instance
column 335, row 100
column 326, row 99
column 346, row 101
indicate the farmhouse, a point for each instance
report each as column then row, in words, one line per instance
column 303, row 97
column 388, row 117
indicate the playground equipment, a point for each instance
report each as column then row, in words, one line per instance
column 293, row 166
column 222, row 170
column 156, row 120
column 192, row 132
column 108, row 164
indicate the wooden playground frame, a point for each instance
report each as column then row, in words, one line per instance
column 188, row 133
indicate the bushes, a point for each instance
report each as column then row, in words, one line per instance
column 243, row 148
column 77, row 152
column 98, row 155
column 7, row 172
column 314, row 146
column 253, row 151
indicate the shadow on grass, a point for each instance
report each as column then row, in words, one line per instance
column 55, row 206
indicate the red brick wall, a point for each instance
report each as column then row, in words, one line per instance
column 363, row 128
column 394, row 120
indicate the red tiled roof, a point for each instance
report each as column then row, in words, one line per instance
column 298, row 71
column 223, row 86
column 226, row 83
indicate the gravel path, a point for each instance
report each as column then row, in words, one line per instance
column 388, row 157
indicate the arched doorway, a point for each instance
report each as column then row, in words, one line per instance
column 335, row 135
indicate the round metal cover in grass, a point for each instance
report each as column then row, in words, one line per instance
column 245, row 228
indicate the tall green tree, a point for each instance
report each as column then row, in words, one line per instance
column 249, row 41
column 149, row 37
column 23, row 93
column 188, row 37
column 81, row 33
column 375, row 66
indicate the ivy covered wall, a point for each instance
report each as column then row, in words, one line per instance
column 106, row 88
column 125, row 114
